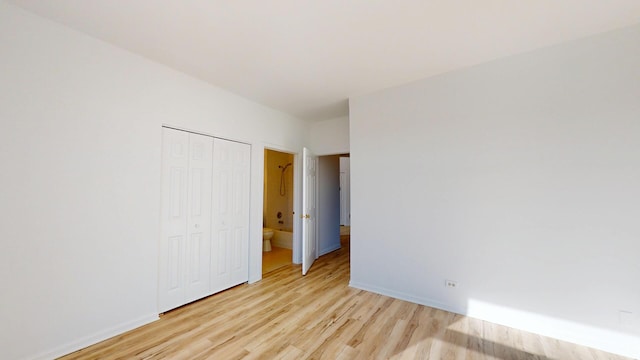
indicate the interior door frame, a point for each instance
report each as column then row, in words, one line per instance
column 297, row 200
column 309, row 216
column 345, row 191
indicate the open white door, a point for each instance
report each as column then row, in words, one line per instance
column 309, row 218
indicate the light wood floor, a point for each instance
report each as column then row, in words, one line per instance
column 275, row 259
column 287, row 316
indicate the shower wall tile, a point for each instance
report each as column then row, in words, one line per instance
column 273, row 201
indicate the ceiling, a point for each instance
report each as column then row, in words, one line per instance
column 306, row 58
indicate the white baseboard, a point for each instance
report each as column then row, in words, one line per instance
column 94, row 338
column 597, row 338
column 406, row 297
column 328, row 250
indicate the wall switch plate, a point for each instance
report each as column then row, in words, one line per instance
column 451, row 284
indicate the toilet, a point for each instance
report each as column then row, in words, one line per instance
column 267, row 234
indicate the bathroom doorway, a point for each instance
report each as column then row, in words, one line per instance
column 277, row 212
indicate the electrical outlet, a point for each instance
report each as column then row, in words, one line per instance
column 451, row 284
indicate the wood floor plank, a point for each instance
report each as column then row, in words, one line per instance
column 348, row 353
column 318, row 316
column 290, row 353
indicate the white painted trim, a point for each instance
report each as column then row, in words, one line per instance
column 94, row 338
column 297, row 202
column 406, row 297
column 573, row 332
column 297, row 205
column 597, row 338
column 193, row 131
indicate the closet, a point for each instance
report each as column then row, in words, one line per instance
column 204, row 246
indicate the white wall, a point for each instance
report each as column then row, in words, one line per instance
column 80, row 154
column 328, row 204
column 329, row 137
column 517, row 178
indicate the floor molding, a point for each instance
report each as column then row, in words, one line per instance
column 95, row 338
column 598, row 338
